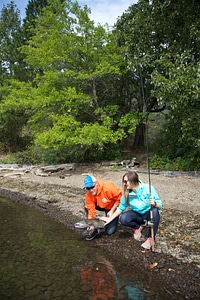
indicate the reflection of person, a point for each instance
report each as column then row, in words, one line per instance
column 98, row 278
column 136, row 195
column 102, row 196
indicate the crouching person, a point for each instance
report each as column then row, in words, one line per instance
column 136, row 195
column 101, row 196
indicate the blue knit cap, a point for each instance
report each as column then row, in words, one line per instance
column 89, row 181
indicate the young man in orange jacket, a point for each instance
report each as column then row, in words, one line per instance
column 102, row 196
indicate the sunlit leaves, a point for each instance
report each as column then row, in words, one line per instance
column 129, row 122
column 67, row 131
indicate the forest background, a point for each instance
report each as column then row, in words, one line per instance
column 73, row 91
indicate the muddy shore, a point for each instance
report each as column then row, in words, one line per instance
column 176, row 260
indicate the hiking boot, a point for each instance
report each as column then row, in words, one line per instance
column 93, row 234
column 147, row 244
column 137, row 233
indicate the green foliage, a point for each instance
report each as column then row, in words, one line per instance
column 147, row 33
column 55, row 156
column 8, row 159
column 180, row 88
column 15, row 109
column 176, row 164
column 12, row 63
column 108, row 152
column 28, row 157
column 128, row 122
column 75, row 153
column 81, row 91
column 35, row 155
column 67, row 131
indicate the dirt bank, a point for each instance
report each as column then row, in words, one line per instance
column 177, row 253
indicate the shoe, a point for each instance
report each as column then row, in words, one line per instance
column 147, row 244
column 137, row 233
column 81, row 225
column 93, row 234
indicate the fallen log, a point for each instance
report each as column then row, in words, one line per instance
column 12, row 174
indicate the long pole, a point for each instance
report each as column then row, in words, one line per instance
column 149, row 177
column 148, row 160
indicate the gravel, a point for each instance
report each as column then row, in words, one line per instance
column 177, row 251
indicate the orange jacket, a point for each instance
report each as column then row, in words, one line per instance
column 107, row 195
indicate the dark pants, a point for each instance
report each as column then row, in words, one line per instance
column 133, row 219
column 112, row 226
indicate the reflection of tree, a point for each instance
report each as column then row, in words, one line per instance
column 99, row 281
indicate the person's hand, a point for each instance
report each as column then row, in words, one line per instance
column 105, row 219
column 90, row 228
column 109, row 214
column 151, row 201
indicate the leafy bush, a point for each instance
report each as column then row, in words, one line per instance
column 108, row 152
column 8, row 159
column 176, row 164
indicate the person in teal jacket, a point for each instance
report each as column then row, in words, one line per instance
column 135, row 205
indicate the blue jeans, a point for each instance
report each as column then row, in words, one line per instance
column 133, row 219
column 112, row 226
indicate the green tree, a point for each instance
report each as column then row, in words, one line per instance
column 176, row 82
column 10, row 41
column 149, row 31
column 180, row 88
column 65, row 105
column 134, row 31
column 14, row 114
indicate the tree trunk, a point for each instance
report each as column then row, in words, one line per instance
column 139, row 136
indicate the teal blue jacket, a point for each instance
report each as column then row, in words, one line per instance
column 139, row 201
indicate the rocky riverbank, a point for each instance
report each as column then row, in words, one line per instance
column 58, row 192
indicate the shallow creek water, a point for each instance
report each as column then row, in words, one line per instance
column 42, row 259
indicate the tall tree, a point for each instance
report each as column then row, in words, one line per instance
column 146, row 32
column 10, row 41
column 78, row 61
column 33, row 10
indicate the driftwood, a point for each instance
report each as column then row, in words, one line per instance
column 12, row 174
column 40, row 173
column 56, row 168
column 14, row 169
column 44, row 171
column 129, row 163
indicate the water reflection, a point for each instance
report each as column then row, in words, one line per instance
column 100, row 281
column 41, row 259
